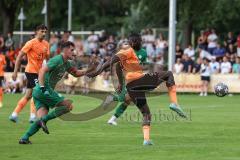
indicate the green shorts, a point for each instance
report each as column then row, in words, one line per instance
column 46, row 101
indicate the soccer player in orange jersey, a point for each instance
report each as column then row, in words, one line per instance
column 138, row 82
column 37, row 49
column 2, row 66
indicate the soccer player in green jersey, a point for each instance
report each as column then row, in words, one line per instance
column 44, row 95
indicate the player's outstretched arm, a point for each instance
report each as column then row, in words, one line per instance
column 107, row 64
column 119, row 75
column 17, row 64
column 77, row 73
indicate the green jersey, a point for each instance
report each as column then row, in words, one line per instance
column 57, row 68
column 142, row 55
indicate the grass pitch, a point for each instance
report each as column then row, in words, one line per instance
column 211, row 132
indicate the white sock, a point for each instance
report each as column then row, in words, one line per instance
column 14, row 114
column 113, row 118
column 32, row 115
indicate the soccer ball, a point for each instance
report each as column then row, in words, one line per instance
column 221, row 89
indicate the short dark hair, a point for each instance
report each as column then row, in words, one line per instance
column 135, row 41
column 67, row 44
column 41, row 27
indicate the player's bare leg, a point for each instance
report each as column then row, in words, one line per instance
column 21, row 104
column 172, row 92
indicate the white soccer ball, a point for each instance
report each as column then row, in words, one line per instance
column 221, row 89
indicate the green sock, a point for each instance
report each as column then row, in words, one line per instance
column 120, row 109
column 115, row 97
column 119, row 97
column 58, row 111
column 31, row 130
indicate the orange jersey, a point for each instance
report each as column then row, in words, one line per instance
column 2, row 64
column 131, row 64
column 36, row 52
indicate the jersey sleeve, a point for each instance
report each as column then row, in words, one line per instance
column 27, row 47
column 53, row 62
column 125, row 54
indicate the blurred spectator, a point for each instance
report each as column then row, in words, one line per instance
column 225, row 66
column 179, row 52
column 79, row 48
column 236, row 66
column 204, row 54
column 197, row 66
column 158, row 63
column 219, row 52
column 161, row 45
column 1, row 43
column 205, row 76
column 190, row 51
column 53, row 44
column 232, row 59
column 144, row 37
column 86, row 82
column 102, row 50
column 231, row 49
column 230, row 40
column 59, row 36
column 212, row 41
column 13, row 86
column 9, row 43
column 207, row 32
column 187, row 64
column 92, row 41
column 149, row 40
column 178, row 66
column 70, row 36
column 110, row 45
column 103, row 37
column 65, row 36
column 202, row 40
column 70, row 83
column 238, row 45
column 10, row 58
column 106, row 74
column 95, row 51
column 214, row 65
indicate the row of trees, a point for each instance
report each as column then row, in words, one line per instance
column 114, row 15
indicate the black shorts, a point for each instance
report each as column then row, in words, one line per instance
column 137, row 88
column 32, row 79
column 1, row 81
column 205, row 78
